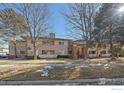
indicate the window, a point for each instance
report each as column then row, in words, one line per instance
column 30, row 42
column 22, row 52
column 61, row 52
column 44, row 52
column 52, row 43
column 44, row 42
column 48, row 42
column 61, row 43
column 109, row 51
column 51, row 52
column 28, row 48
column 103, row 52
column 92, row 52
column 70, row 52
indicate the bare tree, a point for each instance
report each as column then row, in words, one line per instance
column 12, row 26
column 37, row 18
column 80, row 18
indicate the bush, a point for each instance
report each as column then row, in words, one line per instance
column 116, row 49
column 63, row 56
column 31, row 57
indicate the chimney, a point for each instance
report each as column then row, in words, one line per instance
column 52, row 35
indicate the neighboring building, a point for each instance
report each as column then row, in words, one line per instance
column 95, row 52
column 4, row 51
column 20, row 48
column 103, row 50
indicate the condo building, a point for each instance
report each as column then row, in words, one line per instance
column 48, row 47
column 52, row 47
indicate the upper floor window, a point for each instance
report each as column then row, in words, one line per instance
column 48, row 42
column 61, row 43
column 44, row 51
column 103, row 52
column 22, row 52
column 51, row 52
column 28, row 48
column 30, row 42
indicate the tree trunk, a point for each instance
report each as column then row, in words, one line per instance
column 86, row 54
column 97, row 51
column 86, row 50
column 110, row 41
column 35, row 51
column 26, row 47
column 15, row 49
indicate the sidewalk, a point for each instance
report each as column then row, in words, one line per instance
column 100, row 81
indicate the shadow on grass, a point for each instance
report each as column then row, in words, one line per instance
column 71, row 73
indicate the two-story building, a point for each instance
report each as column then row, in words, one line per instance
column 51, row 47
column 48, row 47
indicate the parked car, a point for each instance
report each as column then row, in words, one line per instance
column 3, row 56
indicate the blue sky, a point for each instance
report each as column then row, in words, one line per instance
column 58, row 21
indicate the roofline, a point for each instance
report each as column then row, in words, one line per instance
column 51, row 38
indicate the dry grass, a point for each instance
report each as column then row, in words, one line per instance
column 27, row 70
column 9, row 68
column 32, row 61
column 120, row 60
column 9, row 71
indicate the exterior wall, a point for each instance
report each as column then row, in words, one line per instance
column 74, row 51
column 92, row 55
column 20, row 48
column 58, row 49
column 53, row 49
column 78, row 51
column 101, row 52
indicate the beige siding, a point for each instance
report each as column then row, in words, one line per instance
column 57, row 48
column 20, row 46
